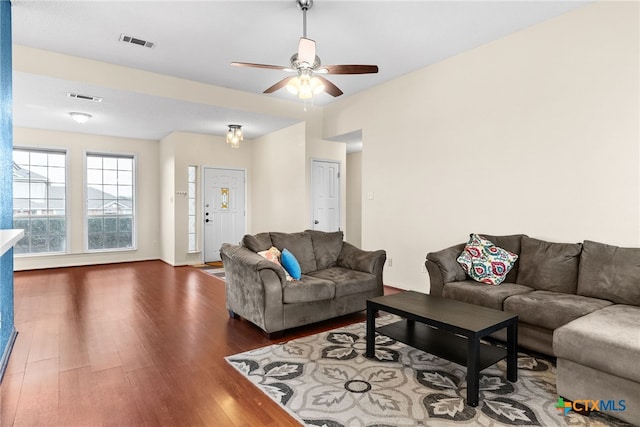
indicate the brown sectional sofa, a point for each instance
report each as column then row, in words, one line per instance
column 337, row 278
column 577, row 302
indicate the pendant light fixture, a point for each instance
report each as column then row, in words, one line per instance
column 234, row 136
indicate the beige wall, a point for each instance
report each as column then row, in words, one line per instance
column 354, row 199
column 147, row 195
column 285, row 206
column 278, row 181
column 535, row 133
column 189, row 149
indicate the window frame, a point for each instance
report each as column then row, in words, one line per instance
column 196, row 248
column 134, row 210
column 67, row 212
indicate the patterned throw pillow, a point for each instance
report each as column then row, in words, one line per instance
column 273, row 255
column 484, row 262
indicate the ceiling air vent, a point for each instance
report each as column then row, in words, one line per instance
column 84, row 97
column 128, row 39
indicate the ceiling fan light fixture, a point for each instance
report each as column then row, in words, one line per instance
column 305, row 87
column 234, row 136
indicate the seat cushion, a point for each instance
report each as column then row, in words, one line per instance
column 347, row 281
column 611, row 331
column 549, row 266
column 481, row 293
column 551, row 309
column 300, row 245
column 308, row 289
column 610, row 272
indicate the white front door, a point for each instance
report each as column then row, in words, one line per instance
column 223, row 210
column 326, row 195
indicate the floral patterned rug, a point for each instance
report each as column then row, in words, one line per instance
column 325, row 380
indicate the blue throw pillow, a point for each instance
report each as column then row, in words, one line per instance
column 290, row 263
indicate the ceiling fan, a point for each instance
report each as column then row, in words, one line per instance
column 307, row 65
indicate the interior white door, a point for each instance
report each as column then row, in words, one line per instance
column 224, row 209
column 326, row 195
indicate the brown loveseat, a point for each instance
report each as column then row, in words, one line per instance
column 578, row 302
column 337, row 278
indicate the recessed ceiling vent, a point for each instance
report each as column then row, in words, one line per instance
column 128, row 39
column 84, row 97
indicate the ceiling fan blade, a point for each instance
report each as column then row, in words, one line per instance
column 329, row 87
column 350, row 69
column 267, row 66
column 282, row 83
column 306, row 50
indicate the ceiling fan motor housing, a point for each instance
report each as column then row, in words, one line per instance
column 297, row 65
column 304, row 4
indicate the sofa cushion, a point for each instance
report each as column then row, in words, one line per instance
column 326, row 247
column 485, row 262
column 347, row 281
column 308, row 289
column 612, row 331
column 551, row 309
column 512, row 244
column 482, row 294
column 610, row 272
column 300, row 245
column 258, row 242
column 549, row 266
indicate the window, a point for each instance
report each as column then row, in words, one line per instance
column 191, row 194
column 39, row 200
column 110, row 202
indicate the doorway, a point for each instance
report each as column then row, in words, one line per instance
column 224, row 209
column 325, row 181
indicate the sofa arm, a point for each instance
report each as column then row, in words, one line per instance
column 253, row 284
column 243, row 258
column 354, row 258
column 443, row 267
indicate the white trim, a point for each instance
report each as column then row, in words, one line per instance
column 199, row 228
column 9, row 238
column 67, row 194
column 134, row 204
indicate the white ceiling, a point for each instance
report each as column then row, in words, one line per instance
column 197, row 40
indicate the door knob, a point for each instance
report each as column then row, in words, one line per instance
column 316, row 222
column 207, row 220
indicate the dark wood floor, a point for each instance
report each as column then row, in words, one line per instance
column 135, row 344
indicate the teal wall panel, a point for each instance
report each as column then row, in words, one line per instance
column 7, row 329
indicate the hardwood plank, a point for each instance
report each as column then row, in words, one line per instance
column 38, row 401
column 118, row 406
column 10, row 393
column 77, row 398
column 133, row 344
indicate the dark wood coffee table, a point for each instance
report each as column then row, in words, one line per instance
column 448, row 329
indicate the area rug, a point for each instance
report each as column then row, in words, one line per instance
column 325, row 380
column 217, row 272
